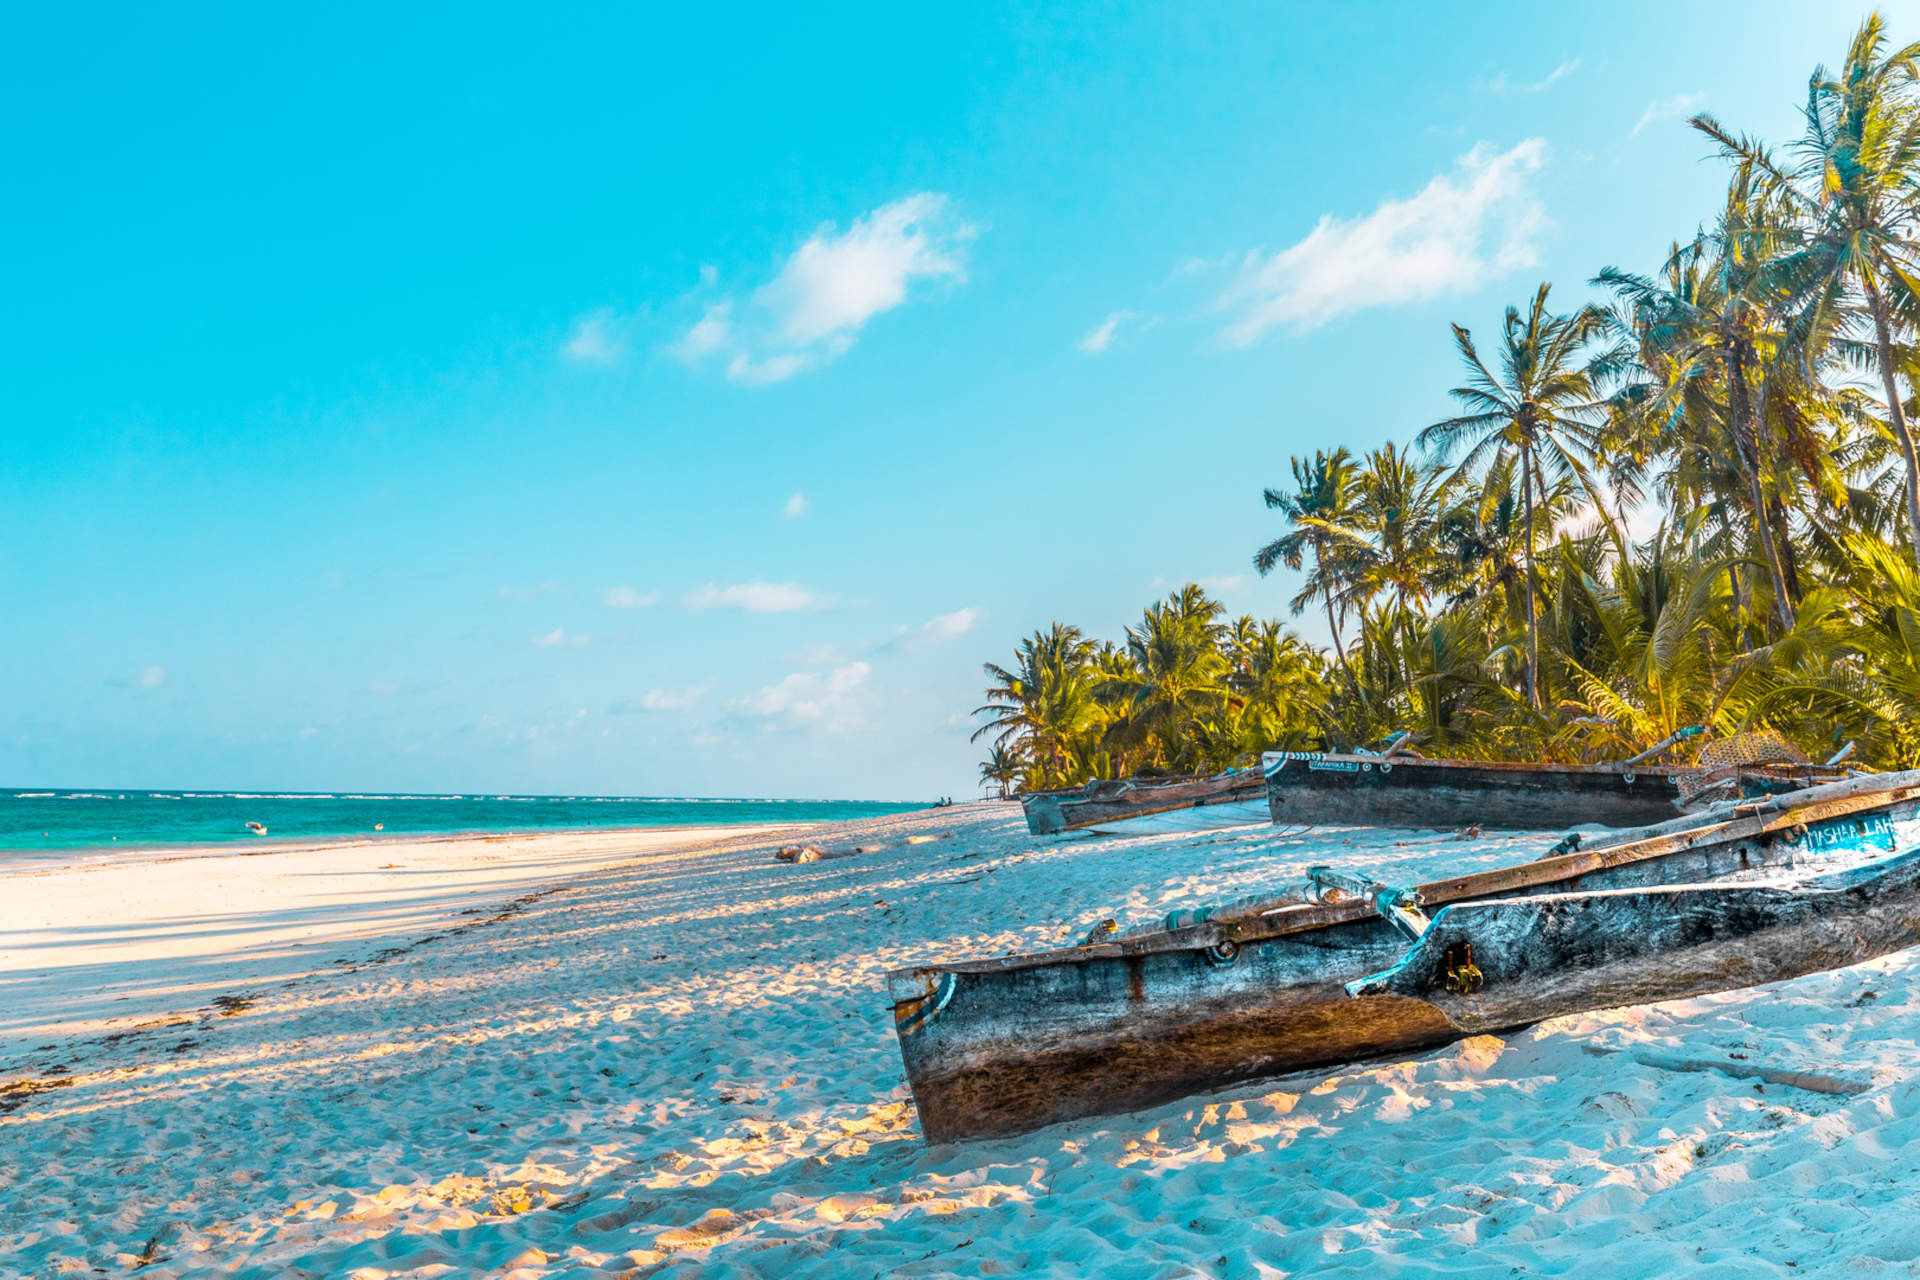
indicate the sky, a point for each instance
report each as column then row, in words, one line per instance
column 630, row 401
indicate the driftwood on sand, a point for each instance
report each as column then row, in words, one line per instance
column 814, row 853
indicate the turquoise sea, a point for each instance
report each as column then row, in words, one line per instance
column 49, row 820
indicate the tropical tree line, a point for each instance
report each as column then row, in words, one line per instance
column 1691, row 500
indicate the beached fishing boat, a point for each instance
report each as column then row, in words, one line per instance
column 1235, row 798
column 1348, row 968
column 1410, row 791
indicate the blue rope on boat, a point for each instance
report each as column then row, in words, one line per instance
column 928, row 1007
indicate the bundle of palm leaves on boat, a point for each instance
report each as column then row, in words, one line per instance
column 1747, row 891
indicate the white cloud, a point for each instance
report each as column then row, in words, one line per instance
column 595, row 339
column 1462, row 229
column 673, row 699
column 711, row 332
column 933, row 632
column 756, row 597
column 828, row 289
column 308, row 732
column 796, row 506
column 661, row 700
column 152, row 678
column 1501, row 84
column 1668, row 108
column 749, row 372
column 628, row 598
column 950, row 625
column 834, row 284
column 1217, row 586
column 559, row 639
column 806, row 696
column 1100, row 337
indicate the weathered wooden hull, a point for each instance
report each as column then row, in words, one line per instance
column 1250, row 812
column 1224, row 800
column 1001, row 1046
column 1348, row 790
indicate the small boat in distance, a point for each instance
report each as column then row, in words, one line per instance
column 1349, row 968
column 1143, row 806
column 256, row 828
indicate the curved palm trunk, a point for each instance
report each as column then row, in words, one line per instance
column 1747, row 446
column 1896, row 415
column 1339, row 645
column 1533, row 631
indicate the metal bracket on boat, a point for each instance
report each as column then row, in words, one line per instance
column 1462, row 975
column 1399, row 907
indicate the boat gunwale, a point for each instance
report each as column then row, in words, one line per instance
column 1542, row 767
column 1764, row 817
column 1255, row 785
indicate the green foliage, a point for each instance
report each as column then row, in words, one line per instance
column 1482, row 590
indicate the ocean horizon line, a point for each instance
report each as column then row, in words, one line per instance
column 41, row 821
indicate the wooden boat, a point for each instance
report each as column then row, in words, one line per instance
column 1142, row 807
column 1409, row 791
column 998, row 1046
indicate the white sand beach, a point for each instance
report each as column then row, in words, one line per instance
column 651, row 1053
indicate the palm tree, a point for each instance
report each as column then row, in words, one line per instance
column 1544, row 408
column 1045, row 705
column 1853, row 190
column 1179, row 674
column 1317, row 510
column 1001, row 769
column 1705, row 333
column 1392, row 536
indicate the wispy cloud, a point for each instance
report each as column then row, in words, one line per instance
column 1218, row 586
column 674, row 699
column 1502, row 84
column 748, row 372
column 1100, row 337
column 815, row 307
column 710, row 333
column 595, row 339
column 1681, row 104
column 559, row 639
column 1463, row 228
column 628, row 598
column 756, row 597
column 151, row 678
column 796, row 506
column 934, row 631
column 807, row 697
column 950, row 625
column 661, row 700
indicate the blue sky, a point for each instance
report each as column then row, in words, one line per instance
column 688, row 403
